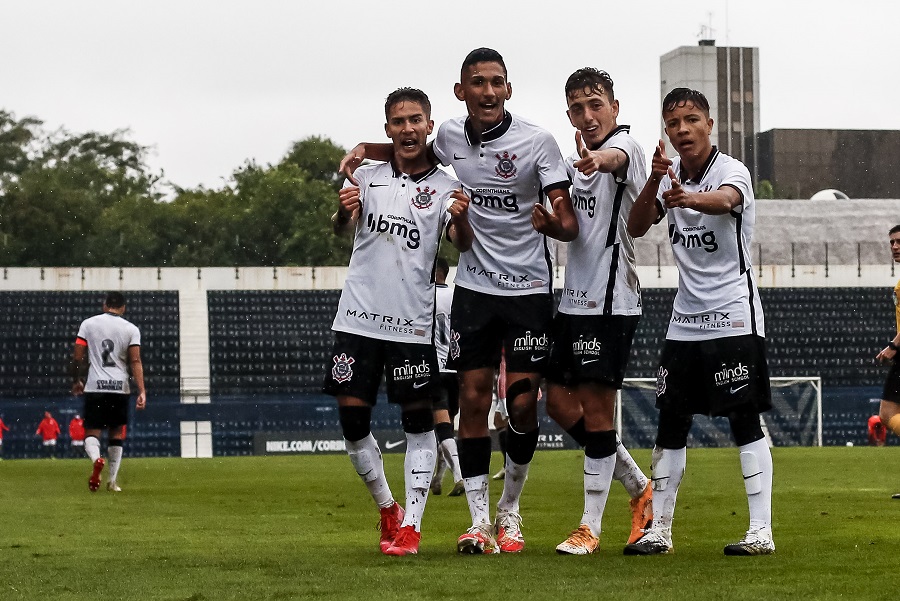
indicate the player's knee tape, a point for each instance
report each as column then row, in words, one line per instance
column 594, row 483
column 417, row 421
column 752, row 472
column 660, row 468
column 364, row 462
column 520, row 447
column 578, row 433
column 474, row 456
column 355, row 422
column 894, row 424
column 673, row 429
column 745, row 427
column 600, row 444
column 443, row 431
column 115, row 442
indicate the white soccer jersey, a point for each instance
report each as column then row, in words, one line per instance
column 717, row 295
column 443, row 299
column 506, row 171
column 108, row 337
column 389, row 290
column 601, row 278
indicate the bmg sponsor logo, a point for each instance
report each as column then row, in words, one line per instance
column 494, row 198
column 691, row 239
column 394, row 226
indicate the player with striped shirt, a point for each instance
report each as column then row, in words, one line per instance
column 398, row 212
column 600, row 305
column 714, row 359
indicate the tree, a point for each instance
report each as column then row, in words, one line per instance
column 319, row 158
column 765, row 190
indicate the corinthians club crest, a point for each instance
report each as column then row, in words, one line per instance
column 505, row 167
column 341, row 372
column 661, row 381
column 422, row 199
column 454, row 344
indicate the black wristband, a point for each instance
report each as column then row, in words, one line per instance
column 893, row 346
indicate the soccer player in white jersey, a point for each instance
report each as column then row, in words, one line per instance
column 600, row 306
column 714, row 358
column 398, row 212
column 107, row 350
column 502, row 297
column 447, row 405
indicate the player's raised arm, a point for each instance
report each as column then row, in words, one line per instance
column 561, row 223
column 460, row 231
column 714, row 202
column 608, row 160
column 645, row 213
column 364, row 150
column 349, row 209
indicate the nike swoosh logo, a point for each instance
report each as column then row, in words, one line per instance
column 536, row 359
column 416, row 472
column 366, row 474
column 377, row 185
column 586, row 361
column 456, row 158
column 590, row 474
column 393, row 445
column 733, row 390
column 419, row 384
column 752, row 475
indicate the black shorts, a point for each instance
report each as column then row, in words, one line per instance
column 714, row 377
column 448, row 393
column 591, row 348
column 483, row 324
column 104, row 410
column 357, row 364
column 892, row 383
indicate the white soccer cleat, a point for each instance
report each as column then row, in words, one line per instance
column 757, row 541
column 113, row 487
column 655, row 541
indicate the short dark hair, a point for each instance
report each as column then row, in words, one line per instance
column 442, row 266
column 590, row 80
column 894, row 230
column 681, row 96
column 483, row 55
column 115, row 300
column 407, row 95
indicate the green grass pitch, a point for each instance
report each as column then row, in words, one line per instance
column 267, row 528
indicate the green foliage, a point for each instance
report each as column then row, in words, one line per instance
column 303, row 528
column 765, row 190
column 90, row 200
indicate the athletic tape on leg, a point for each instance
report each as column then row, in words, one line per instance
column 364, row 464
column 660, row 468
column 421, row 467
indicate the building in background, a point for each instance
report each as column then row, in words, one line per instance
column 729, row 78
column 862, row 163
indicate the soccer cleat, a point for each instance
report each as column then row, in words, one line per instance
column 655, row 541
column 391, row 517
column 581, row 542
column 641, row 514
column 113, row 487
column 896, row 496
column 406, row 542
column 478, row 540
column 508, row 527
column 95, row 479
column 458, row 489
column 757, row 541
column 499, row 475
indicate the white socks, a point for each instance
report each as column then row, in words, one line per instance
column 451, row 458
column 513, row 483
column 477, row 497
column 421, row 452
column 627, row 471
column 668, row 470
column 366, row 459
column 92, row 448
column 114, row 452
column 756, row 466
column 598, row 475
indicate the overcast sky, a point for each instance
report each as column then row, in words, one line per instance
column 208, row 84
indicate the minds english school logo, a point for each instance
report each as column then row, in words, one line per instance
column 342, row 372
column 505, row 167
column 422, row 199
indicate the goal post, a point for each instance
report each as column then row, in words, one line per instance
column 794, row 420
